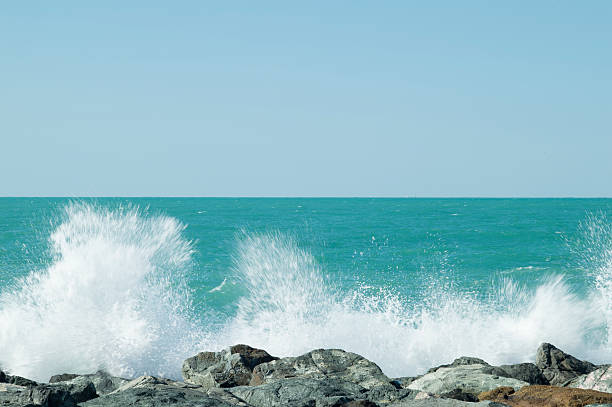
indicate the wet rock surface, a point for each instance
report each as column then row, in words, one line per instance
column 228, row 368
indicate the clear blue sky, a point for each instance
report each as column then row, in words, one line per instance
column 342, row 98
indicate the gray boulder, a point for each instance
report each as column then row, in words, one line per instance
column 102, row 381
column 228, row 368
column 559, row 367
column 527, row 372
column 46, row 395
column 600, row 380
column 64, row 377
column 300, row 392
column 323, row 364
column 149, row 391
column 469, row 378
column 461, row 361
column 469, row 361
column 18, row 380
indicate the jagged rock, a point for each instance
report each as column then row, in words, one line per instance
column 527, row 372
column 469, row 378
column 546, row 396
column 149, row 391
column 46, row 395
column 559, row 367
column 228, row 368
column 600, row 380
column 19, row 381
column 102, row 381
column 300, row 392
column 323, row 364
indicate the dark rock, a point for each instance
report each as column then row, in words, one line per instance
column 45, row 395
column 403, row 382
column 300, row 392
column 228, row 368
column 2, row 377
column 323, row 364
column 527, row 372
column 64, row 377
column 20, row 381
column 458, row 394
column 467, row 360
column 559, row 367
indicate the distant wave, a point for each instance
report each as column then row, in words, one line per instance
column 115, row 297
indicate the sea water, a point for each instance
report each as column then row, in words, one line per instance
column 135, row 286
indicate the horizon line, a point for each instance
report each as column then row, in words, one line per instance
column 293, row 197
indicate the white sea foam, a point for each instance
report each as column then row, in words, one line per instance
column 290, row 308
column 115, row 297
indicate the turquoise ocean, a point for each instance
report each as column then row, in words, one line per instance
column 135, row 286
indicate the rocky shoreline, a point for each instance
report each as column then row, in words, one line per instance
column 247, row 377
